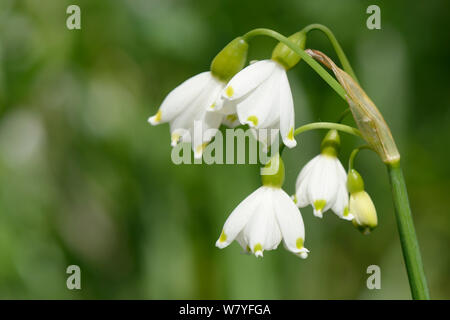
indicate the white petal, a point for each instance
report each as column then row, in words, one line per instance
column 262, row 231
column 260, row 108
column 248, row 79
column 291, row 223
column 211, row 123
column 272, row 234
column 266, row 136
column 301, row 194
column 216, row 105
column 323, row 184
column 341, row 171
column 186, row 125
column 239, row 218
column 340, row 206
column 244, row 245
column 306, row 170
column 180, row 134
column 302, row 183
column 228, row 107
column 287, row 114
column 223, row 106
column 180, row 97
column 197, row 108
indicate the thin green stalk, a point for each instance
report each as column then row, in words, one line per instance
column 310, row 61
column 328, row 125
column 324, row 125
column 344, row 114
column 337, row 47
column 408, row 238
column 355, row 151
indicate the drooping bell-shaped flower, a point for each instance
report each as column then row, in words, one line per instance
column 361, row 205
column 322, row 183
column 261, row 96
column 186, row 106
column 266, row 217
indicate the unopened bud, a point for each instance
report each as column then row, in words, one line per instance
column 230, row 60
column 360, row 204
column 285, row 55
column 363, row 209
column 355, row 182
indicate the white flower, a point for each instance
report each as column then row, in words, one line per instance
column 322, row 183
column 188, row 104
column 262, row 220
column 261, row 96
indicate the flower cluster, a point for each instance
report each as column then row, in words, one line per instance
column 268, row 215
column 259, row 96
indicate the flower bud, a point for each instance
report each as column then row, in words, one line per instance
column 331, row 143
column 363, row 209
column 360, row 204
column 230, row 60
column 354, row 182
column 273, row 172
column 284, row 55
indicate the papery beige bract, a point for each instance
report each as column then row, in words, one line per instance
column 369, row 120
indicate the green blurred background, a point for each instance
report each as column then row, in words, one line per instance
column 85, row 180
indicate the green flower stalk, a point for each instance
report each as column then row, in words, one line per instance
column 335, row 43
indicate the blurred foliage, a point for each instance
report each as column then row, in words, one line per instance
column 86, row 181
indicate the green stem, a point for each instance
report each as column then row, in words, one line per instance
column 324, row 125
column 343, row 115
column 328, row 125
column 337, row 47
column 355, row 151
column 310, row 61
column 408, row 239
